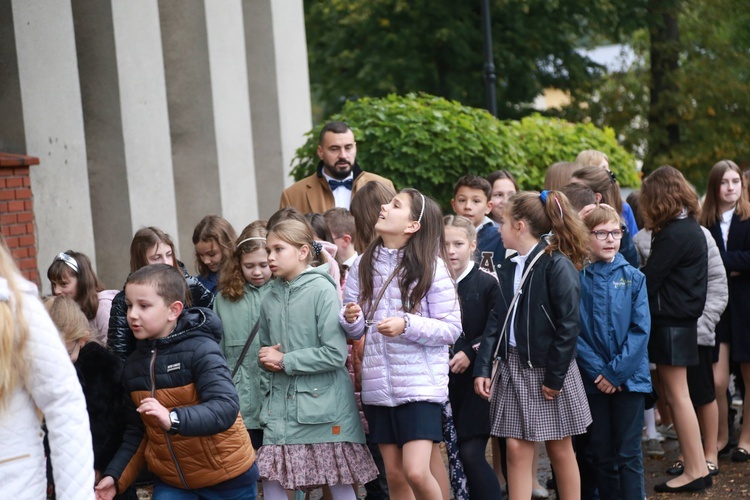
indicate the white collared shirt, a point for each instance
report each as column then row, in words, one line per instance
column 350, row 261
column 342, row 197
column 465, row 272
column 726, row 221
column 520, row 261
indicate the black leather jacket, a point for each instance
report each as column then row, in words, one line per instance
column 547, row 318
column 120, row 338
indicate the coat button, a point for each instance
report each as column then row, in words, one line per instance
column 315, row 395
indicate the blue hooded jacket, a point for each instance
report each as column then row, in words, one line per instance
column 615, row 326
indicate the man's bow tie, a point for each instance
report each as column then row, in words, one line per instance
column 345, row 183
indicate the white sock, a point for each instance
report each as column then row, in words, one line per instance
column 342, row 492
column 650, row 420
column 272, row 490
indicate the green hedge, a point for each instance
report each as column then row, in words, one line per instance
column 428, row 142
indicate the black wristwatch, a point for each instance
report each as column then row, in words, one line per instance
column 175, row 421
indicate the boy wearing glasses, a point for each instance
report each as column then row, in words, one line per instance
column 613, row 357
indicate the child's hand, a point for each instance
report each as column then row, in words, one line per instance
column 392, row 327
column 604, row 385
column 549, row 394
column 151, row 407
column 482, row 387
column 105, row 489
column 270, row 356
column 352, row 312
column 459, row 362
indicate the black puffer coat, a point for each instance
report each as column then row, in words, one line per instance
column 120, row 339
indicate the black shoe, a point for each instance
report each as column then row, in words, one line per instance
column 713, row 469
column 696, row 485
column 708, row 480
column 678, row 467
column 740, row 455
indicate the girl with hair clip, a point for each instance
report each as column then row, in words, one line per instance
column 214, row 240
column 726, row 214
column 400, row 294
column 478, row 291
column 312, row 434
column 242, row 287
column 676, row 280
column 71, row 274
column 604, row 185
column 150, row 245
column 537, row 395
column 100, row 374
column 37, row 380
column 504, row 186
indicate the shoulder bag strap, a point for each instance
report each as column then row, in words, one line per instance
column 249, row 341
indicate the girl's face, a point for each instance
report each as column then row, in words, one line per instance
column 210, row 254
column 607, row 248
column 285, row 261
column 396, row 216
column 502, row 189
column 508, row 231
column 68, row 285
column 730, row 189
column 255, row 268
column 459, row 249
column 161, row 253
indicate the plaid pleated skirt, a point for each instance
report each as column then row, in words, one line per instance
column 518, row 408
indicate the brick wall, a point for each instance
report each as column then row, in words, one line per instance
column 17, row 212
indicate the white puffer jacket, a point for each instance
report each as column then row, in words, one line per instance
column 414, row 365
column 51, row 386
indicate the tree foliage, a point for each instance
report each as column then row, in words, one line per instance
column 429, row 142
column 360, row 48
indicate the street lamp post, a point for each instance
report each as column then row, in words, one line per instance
column 489, row 66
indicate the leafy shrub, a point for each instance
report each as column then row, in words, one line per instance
column 428, row 142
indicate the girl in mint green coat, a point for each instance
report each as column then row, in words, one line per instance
column 243, row 284
column 312, row 433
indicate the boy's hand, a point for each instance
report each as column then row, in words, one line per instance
column 392, row 327
column 105, row 489
column 270, row 356
column 482, row 387
column 352, row 312
column 459, row 362
column 604, row 385
column 151, row 407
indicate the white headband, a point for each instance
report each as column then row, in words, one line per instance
column 67, row 259
column 421, row 213
column 250, row 239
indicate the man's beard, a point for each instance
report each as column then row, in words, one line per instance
column 338, row 174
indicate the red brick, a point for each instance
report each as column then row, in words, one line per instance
column 12, row 242
column 29, row 228
column 3, row 207
column 27, row 181
column 6, row 172
column 21, row 171
column 14, row 182
column 32, row 252
column 15, row 206
column 32, row 275
column 23, row 194
column 7, row 219
column 16, row 230
column 26, row 241
column 25, row 217
column 27, row 205
column 6, row 231
column 20, row 253
column 28, row 264
column 8, row 194
column 2, row 182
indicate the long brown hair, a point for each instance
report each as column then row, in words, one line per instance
column 365, row 208
column 711, row 210
column 556, row 216
column 231, row 280
column 600, row 181
column 419, row 255
column 558, row 174
column 88, row 284
column 216, row 229
column 664, row 195
column 143, row 240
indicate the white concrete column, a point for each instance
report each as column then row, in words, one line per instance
column 279, row 85
column 231, row 109
column 53, row 122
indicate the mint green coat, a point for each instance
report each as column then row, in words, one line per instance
column 238, row 319
column 312, row 400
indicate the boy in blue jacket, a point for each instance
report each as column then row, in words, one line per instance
column 613, row 357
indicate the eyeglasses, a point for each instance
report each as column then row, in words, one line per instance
column 603, row 235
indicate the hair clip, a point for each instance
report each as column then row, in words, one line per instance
column 421, row 213
column 250, row 239
column 67, row 259
column 612, row 177
column 543, row 196
column 317, row 248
